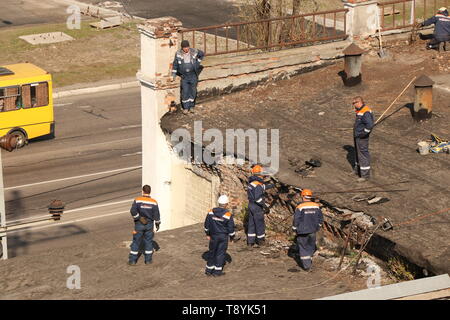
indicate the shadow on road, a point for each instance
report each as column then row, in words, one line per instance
column 18, row 244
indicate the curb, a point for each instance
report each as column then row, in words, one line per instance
column 109, row 87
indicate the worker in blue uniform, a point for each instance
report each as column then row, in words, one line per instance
column 363, row 126
column 219, row 226
column 256, row 231
column 308, row 219
column 145, row 213
column 187, row 65
column 441, row 32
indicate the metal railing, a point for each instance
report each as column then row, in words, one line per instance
column 400, row 14
column 268, row 33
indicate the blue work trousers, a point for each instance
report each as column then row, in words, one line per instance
column 218, row 246
column 142, row 233
column 256, row 225
column 188, row 90
column 306, row 248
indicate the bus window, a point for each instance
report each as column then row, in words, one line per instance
column 35, row 95
column 10, row 97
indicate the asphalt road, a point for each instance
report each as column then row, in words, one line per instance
column 93, row 165
column 192, row 13
column 23, row 12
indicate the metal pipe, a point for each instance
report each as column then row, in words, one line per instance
column 3, row 214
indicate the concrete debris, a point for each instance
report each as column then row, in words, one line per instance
column 110, row 4
column 377, row 200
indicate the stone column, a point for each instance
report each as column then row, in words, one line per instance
column 159, row 42
column 362, row 18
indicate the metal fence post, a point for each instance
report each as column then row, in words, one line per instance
column 3, row 214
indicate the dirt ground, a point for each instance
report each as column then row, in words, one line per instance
column 314, row 114
column 176, row 273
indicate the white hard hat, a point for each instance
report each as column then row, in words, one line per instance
column 223, row 199
column 442, row 9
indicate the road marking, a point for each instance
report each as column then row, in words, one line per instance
column 132, row 154
column 126, row 127
column 75, row 210
column 63, row 223
column 62, row 104
column 71, row 178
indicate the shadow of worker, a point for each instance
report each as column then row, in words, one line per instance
column 206, row 255
column 155, row 244
column 351, row 155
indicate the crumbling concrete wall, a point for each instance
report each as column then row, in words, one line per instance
column 224, row 74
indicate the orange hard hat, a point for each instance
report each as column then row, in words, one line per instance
column 257, row 169
column 307, row 193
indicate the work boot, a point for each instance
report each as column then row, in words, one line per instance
column 131, row 263
column 191, row 110
column 218, row 274
column 149, row 262
column 209, row 274
column 262, row 243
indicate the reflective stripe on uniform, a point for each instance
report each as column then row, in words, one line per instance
column 148, row 252
column 259, row 200
column 232, row 234
column 261, row 236
column 364, row 168
column 188, row 100
column 218, row 268
column 252, row 235
column 208, row 267
column 134, row 252
column 308, row 207
column 366, row 130
column 136, row 216
column 305, row 257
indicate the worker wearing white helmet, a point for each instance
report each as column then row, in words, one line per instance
column 441, row 33
column 219, row 226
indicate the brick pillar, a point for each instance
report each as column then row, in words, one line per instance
column 159, row 42
column 362, row 18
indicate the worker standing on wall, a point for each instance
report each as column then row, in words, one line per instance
column 361, row 131
column 219, row 226
column 441, row 33
column 256, row 232
column 145, row 212
column 186, row 64
column 308, row 219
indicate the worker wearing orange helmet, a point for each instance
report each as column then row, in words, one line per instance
column 308, row 219
column 256, row 232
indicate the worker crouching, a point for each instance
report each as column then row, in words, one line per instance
column 219, row 226
column 308, row 219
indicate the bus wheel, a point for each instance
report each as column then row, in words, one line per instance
column 21, row 139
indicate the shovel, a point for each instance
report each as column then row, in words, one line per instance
column 381, row 53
